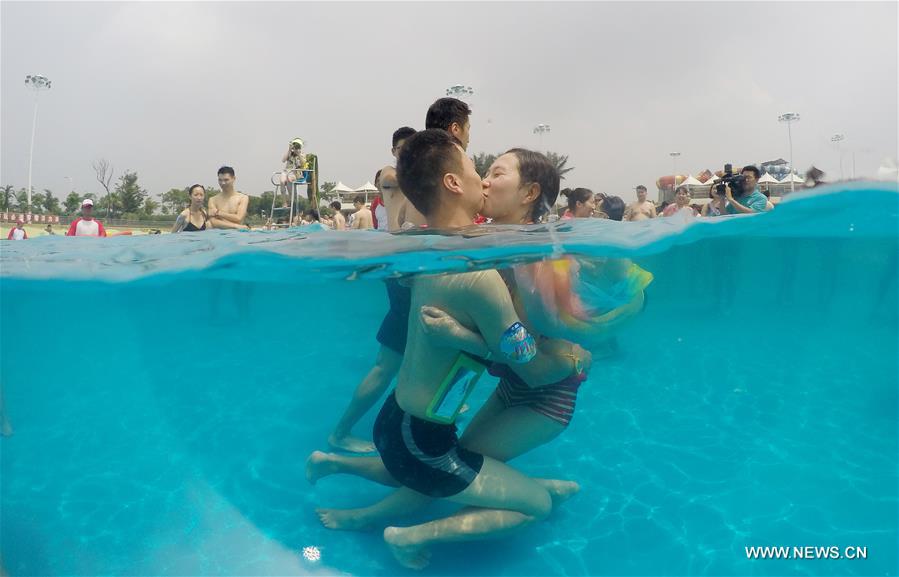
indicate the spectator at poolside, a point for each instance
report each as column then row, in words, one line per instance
column 717, row 204
column 749, row 199
column 581, row 203
column 642, row 208
column 613, row 207
column 18, row 232
column 228, row 209
column 361, row 219
column 681, row 202
column 193, row 218
column 339, row 219
column 49, row 230
column 86, row 225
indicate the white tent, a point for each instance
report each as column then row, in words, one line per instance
column 786, row 179
column 367, row 187
column 767, row 178
column 342, row 188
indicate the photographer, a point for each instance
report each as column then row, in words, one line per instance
column 742, row 192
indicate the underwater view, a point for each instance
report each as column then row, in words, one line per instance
column 164, row 393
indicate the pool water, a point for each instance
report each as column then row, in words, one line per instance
column 165, row 392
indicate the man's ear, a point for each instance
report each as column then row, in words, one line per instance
column 455, row 130
column 452, row 183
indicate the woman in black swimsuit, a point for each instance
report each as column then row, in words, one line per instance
column 189, row 218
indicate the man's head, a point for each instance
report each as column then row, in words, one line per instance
column 359, row 201
column 682, row 196
column 49, row 227
column 751, row 174
column 87, row 208
column 226, row 177
column 641, row 193
column 432, row 165
column 451, row 115
column 335, row 205
column 20, row 223
column 399, row 136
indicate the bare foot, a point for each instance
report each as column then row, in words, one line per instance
column 351, row 444
column 409, row 555
column 343, row 519
column 560, row 491
column 319, row 465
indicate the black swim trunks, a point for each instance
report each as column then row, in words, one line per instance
column 423, row 455
column 395, row 326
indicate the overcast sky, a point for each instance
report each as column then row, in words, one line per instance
column 174, row 90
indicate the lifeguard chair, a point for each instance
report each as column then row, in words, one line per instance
column 296, row 177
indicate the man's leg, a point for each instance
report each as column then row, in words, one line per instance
column 375, row 383
column 321, row 464
column 500, row 499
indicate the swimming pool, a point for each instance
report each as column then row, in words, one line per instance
column 165, row 392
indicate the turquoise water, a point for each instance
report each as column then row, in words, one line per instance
column 165, row 392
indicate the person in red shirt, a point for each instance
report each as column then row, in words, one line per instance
column 18, row 232
column 86, row 225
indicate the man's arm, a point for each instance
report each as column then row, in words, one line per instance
column 490, row 307
column 737, row 206
column 235, row 217
column 653, row 212
column 628, row 212
column 100, row 230
column 73, row 227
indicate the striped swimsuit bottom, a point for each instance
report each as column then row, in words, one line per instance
column 556, row 401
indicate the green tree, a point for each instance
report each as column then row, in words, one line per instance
column 328, row 188
column 131, row 196
column 49, row 202
column 109, row 205
column 150, row 206
column 259, row 204
column 72, row 203
column 482, row 162
column 175, row 200
column 22, row 199
column 560, row 160
column 6, row 193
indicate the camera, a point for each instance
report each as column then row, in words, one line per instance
column 736, row 182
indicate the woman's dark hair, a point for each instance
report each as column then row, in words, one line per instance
column 535, row 167
column 577, row 195
column 335, row 205
column 193, row 186
column 614, row 207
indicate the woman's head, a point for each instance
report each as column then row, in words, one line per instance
column 682, row 196
column 523, row 185
column 197, row 195
column 613, row 206
column 581, row 202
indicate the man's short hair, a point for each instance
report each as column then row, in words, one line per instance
column 445, row 111
column 641, row 187
column 226, row 170
column 402, row 134
column 335, row 205
column 423, row 160
column 753, row 169
column 360, row 199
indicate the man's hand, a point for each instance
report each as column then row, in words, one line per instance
column 728, row 193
